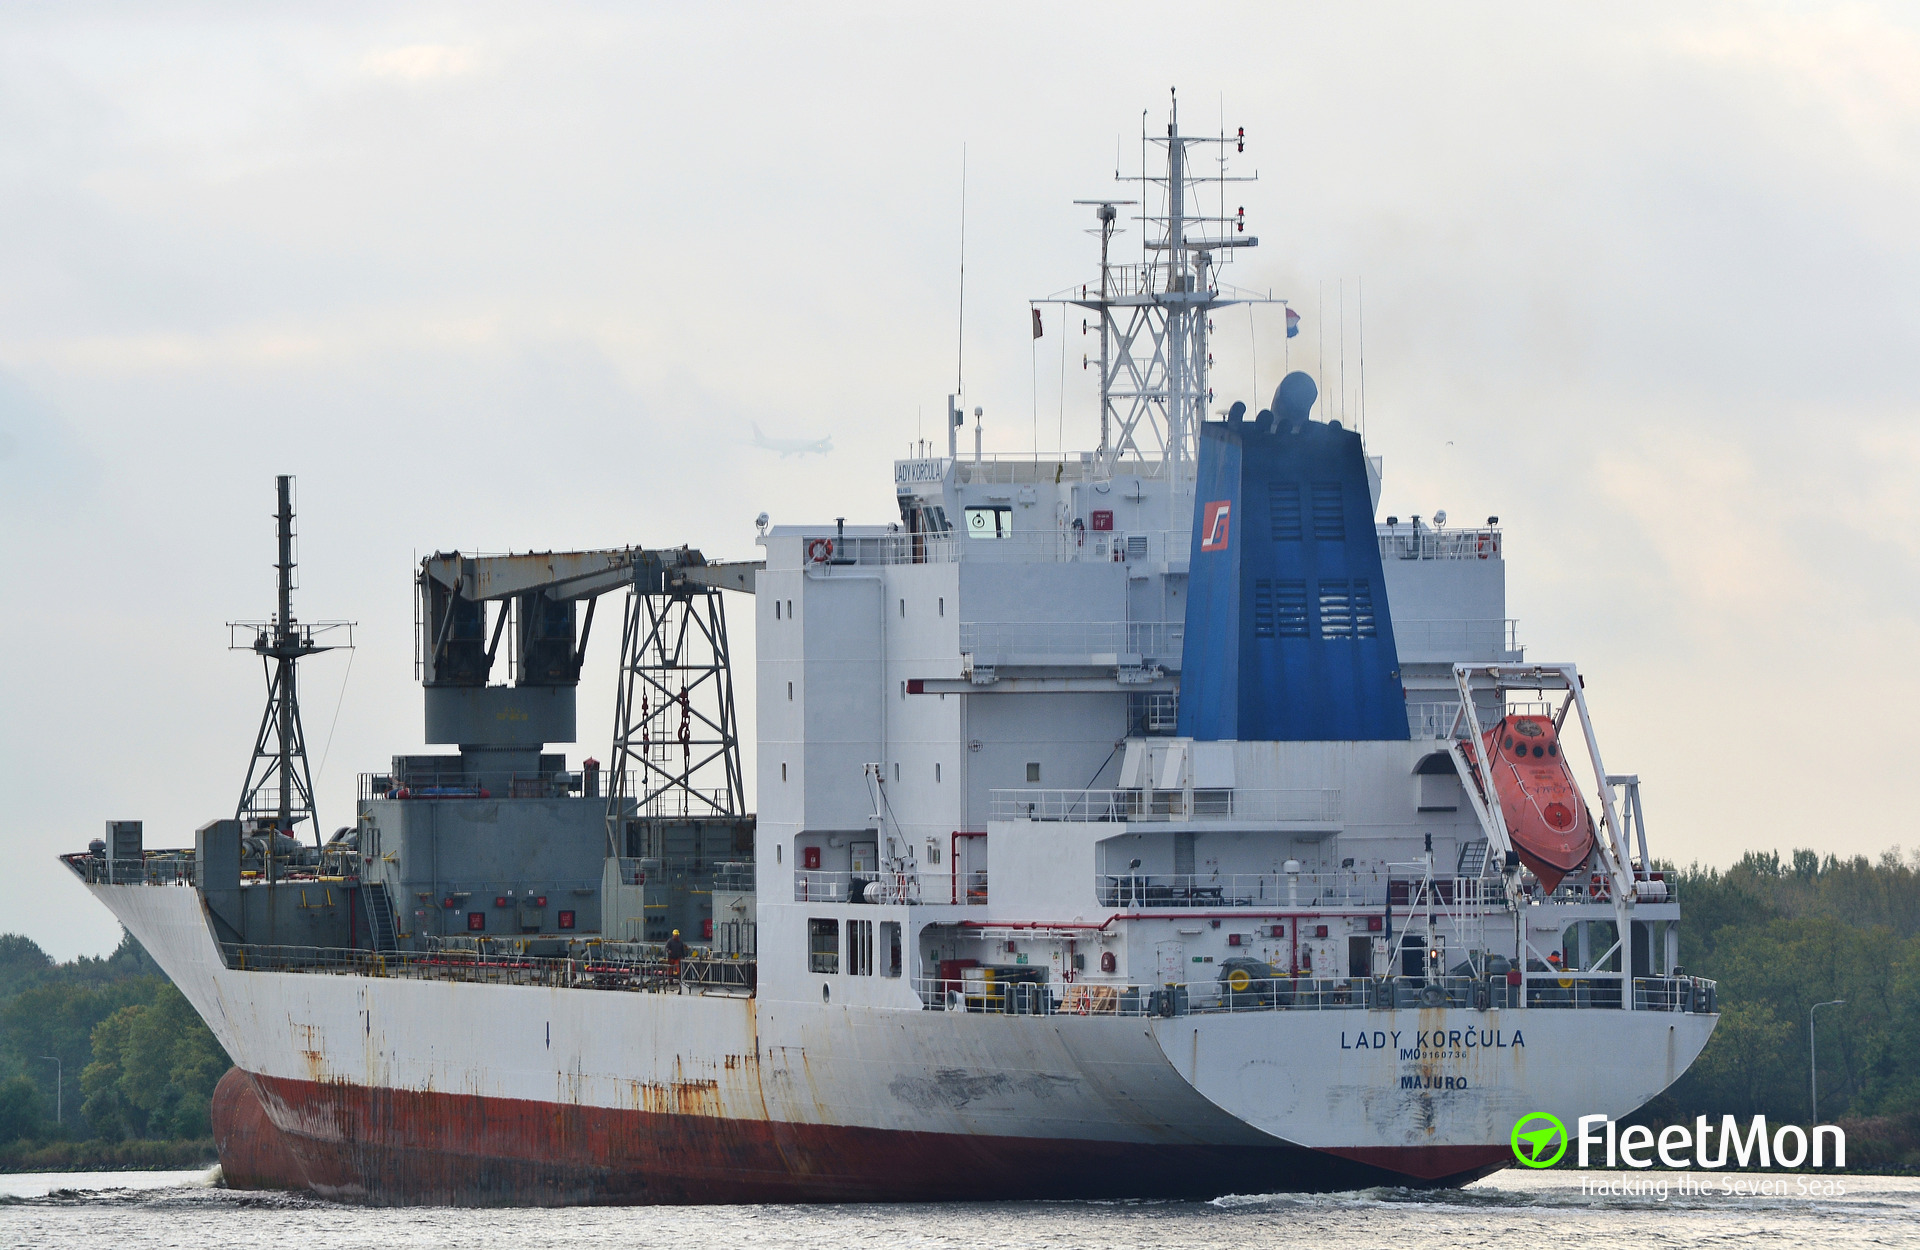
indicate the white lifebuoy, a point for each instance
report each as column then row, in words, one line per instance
column 820, row 550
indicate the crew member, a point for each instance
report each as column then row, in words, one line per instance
column 676, row 951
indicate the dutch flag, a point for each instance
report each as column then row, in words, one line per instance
column 1293, row 323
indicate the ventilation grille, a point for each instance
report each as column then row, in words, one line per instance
column 1283, row 511
column 1329, row 518
column 1346, row 609
column 1279, row 608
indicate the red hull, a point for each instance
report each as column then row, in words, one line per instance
column 410, row 1147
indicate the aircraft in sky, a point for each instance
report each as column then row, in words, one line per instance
column 791, row 446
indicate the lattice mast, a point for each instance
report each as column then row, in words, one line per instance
column 279, row 784
column 1153, row 315
column 676, row 744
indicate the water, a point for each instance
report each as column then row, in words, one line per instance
column 1535, row 1210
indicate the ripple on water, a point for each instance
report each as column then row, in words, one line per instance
column 189, row 1211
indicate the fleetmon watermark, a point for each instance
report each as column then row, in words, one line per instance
column 1539, row 1140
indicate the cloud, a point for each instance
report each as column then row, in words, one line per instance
column 418, row 62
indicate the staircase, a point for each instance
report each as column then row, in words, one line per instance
column 379, row 916
column 1475, row 859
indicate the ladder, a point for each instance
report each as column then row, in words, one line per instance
column 379, row 917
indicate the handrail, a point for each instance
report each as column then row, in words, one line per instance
column 1301, row 806
column 1022, row 991
column 153, row 868
column 595, row 966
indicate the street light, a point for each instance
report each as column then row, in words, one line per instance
column 1813, row 1056
column 59, row 1088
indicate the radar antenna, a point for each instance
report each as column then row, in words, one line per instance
column 279, row 788
column 1154, row 316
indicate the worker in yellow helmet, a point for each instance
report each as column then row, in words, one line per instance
column 676, row 951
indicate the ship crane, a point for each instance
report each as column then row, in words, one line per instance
column 676, row 741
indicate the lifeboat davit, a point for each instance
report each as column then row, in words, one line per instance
column 1547, row 820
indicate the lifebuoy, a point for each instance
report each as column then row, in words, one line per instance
column 1487, row 546
column 1600, row 886
column 1082, row 1006
column 820, row 550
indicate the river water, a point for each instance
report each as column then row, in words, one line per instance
column 1536, row 1210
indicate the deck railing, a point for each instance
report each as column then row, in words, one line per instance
column 1297, row 806
column 629, row 966
column 1051, row 545
column 1430, row 544
column 157, row 868
column 456, row 783
column 1579, row 991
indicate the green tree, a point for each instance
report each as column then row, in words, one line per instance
column 153, row 1068
column 21, row 1114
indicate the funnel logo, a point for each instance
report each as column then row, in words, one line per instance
column 1213, row 525
column 1539, row 1140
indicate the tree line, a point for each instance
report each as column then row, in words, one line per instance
column 97, row 1056
column 1781, row 935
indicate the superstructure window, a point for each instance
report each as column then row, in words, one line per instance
column 1033, row 772
column 991, row 522
column 889, row 948
column 860, row 948
column 776, row 609
column 1329, row 518
column 823, row 945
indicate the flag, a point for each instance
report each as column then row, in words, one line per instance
column 1036, row 323
column 1293, row 324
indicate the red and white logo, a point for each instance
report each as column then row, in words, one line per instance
column 1213, row 525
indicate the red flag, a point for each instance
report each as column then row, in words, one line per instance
column 1036, row 323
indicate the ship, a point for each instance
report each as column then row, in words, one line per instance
column 1121, row 831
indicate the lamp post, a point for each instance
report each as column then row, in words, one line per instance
column 59, row 1088
column 1813, row 1057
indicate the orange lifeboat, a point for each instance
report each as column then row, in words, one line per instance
column 1547, row 820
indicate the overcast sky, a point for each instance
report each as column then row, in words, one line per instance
column 1641, row 280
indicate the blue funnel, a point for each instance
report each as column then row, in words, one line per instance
column 1289, row 638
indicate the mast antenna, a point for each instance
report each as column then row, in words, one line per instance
column 278, row 791
column 960, row 350
column 1155, row 318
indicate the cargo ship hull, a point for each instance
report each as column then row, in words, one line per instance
column 393, row 1090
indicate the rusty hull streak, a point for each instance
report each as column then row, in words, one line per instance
column 390, row 1147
